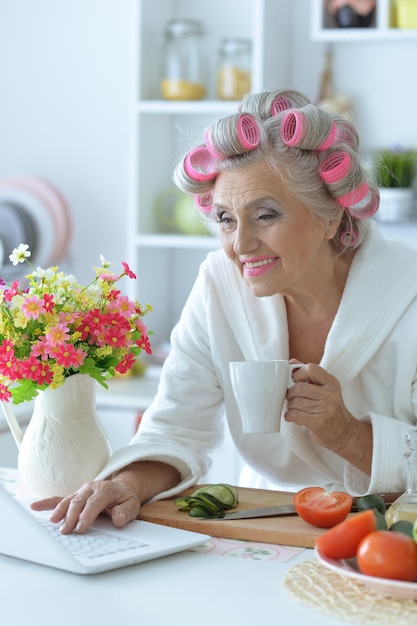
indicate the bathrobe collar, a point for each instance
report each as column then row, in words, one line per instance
column 367, row 312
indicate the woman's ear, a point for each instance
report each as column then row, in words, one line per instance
column 332, row 227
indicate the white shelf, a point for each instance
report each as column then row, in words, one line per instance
column 186, row 107
column 182, row 242
column 162, row 131
column 322, row 28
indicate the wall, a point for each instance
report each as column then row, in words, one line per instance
column 64, row 84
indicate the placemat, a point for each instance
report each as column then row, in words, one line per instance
column 247, row 550
column 344, row 598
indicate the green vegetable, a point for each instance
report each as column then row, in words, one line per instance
column 209, row 501
column 381, row 522
column 372, row 501
column 403, row 526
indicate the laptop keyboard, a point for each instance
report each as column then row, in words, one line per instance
column 93, row 543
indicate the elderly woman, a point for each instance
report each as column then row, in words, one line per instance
column 302, row 274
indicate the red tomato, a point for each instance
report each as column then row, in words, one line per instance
column 322, row 508
column 342, row 541
column 388, row 554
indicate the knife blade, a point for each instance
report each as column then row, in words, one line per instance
column 265, row 511
column 285, row 509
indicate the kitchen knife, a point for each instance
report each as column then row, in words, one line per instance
column 265, row 511
column 285, row 509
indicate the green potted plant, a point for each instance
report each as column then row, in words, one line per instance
column 395, row 170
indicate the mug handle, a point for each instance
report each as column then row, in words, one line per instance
column 292, row 367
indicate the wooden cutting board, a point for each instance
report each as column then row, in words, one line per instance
column 290, row 530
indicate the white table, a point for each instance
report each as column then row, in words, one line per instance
column 187, row 588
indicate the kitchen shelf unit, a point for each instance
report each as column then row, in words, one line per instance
column 166, row 263
column 323, row 27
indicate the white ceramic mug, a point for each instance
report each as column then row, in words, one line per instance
column 260, row 388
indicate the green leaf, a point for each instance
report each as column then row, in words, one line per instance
column 24, row 391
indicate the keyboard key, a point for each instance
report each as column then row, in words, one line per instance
column 94, row 543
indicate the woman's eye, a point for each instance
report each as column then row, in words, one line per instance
column 224, row 218
column 267, row 216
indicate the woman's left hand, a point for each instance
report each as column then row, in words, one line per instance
column 315, row 401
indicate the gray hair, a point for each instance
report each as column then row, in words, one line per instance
column 299, row 163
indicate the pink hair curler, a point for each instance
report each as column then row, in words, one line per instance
column 210, row 146
column 355, row 196
column 204, row 202
column 279, row 105
column 348, row 238
column 199, row 165
column 344, row 134
column 327, row 143
column 248, row 131
column 293, row 128
column 366, row 207
column 335, row 167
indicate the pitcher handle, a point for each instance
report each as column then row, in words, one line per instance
column 12, row 423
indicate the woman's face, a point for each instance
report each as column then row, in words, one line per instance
column 270, row 235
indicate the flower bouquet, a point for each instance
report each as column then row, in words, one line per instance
column 56, row 327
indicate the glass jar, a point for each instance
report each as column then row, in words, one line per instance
column 405, row 507
column 234, row 69
column 182, row 72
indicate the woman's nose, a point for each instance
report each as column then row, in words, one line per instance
column 245, row 240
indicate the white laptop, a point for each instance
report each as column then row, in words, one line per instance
column 28, row 535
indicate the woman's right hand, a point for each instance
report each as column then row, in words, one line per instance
column 120, row 498
column 79, row 510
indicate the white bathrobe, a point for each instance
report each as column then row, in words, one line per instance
column 371, row 349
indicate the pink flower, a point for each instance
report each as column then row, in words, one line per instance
column 144, row 344
column 41, row 348
column 68, row 318
column 115, row 337
column 6, row 349
column 32, row 307
column 45, row 375
column 9, row 294
column 113, row 295
column 10, row 368
column 87, row 324
column 128, row 272
column 126, row 363
column 57, row 334
column 31, row 368
column 67, row 356
column 108, row 278
column 48, row 302
column 122, row 305
column 5, row 394
column 141, row 327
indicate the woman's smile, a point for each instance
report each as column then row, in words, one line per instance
column 258, row 266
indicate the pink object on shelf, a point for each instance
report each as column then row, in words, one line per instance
column 55, row 205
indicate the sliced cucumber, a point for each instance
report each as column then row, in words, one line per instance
column 209, row 501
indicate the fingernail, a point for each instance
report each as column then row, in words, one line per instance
column 81, row 526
